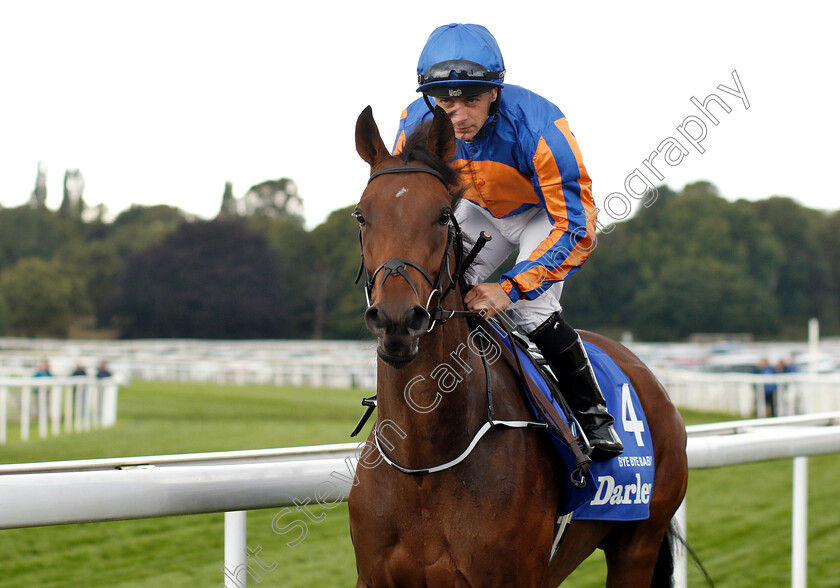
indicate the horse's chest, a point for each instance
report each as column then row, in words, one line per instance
column 477, row 559
column 445, row 529
column 473, row 525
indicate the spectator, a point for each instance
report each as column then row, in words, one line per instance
column 79, row 371
column 102, row 371
column 786, row 367
column 788, row 397
column 770, row 388
column 43, row 370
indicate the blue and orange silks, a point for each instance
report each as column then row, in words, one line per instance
column 526, row 157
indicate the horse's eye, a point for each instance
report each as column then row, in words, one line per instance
column 359, row 217
column 445, row 217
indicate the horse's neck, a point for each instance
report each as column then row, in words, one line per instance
column 438, row 401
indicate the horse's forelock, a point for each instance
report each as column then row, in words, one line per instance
column 417, row 149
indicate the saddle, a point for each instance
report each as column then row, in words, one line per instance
column 528, row 356
column 624, row 485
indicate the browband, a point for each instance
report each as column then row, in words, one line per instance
column 402, row 169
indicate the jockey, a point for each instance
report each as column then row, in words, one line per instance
column 525, row 185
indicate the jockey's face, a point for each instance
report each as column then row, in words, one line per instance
column 468, row 114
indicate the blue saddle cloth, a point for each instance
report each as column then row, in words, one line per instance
column 620, row 488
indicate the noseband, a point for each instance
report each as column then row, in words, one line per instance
column 396, row 266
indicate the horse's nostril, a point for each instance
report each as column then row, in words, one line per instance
column 417, row 320
column 414, row 322
column 373, row 320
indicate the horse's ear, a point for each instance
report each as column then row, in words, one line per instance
column 369, row 142
column 442, row 135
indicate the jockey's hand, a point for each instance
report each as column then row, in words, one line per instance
column 489, row 296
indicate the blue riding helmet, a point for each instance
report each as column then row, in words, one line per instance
column 460, row 60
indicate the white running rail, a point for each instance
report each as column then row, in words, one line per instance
column 55, row 493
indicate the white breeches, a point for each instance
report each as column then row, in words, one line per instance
column 525, row 231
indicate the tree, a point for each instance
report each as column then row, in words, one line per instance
column 72, row 204
column 273, row 198
column 702, row 295
column 2, row 315
column 290, row 242
column 97, row 264
column 38, row 198
column 228, row 209
column 828, row 235
column 801, row 280
column 207, row 280
column 41, row 298
column 322, row 267
column 339, row 306
column 31, row 232
column 691, row 262
column 142, row 227
column 599, row 294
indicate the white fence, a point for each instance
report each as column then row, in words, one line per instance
column 71, row 404
column 744, row 394
column 233, row 482
column 352, row 364
column 334, row 364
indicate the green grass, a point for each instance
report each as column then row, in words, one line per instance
column 738, row 517
column 158, row 419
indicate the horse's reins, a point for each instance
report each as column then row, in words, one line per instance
column 438, row 315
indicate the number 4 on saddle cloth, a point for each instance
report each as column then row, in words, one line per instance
column 616, row 489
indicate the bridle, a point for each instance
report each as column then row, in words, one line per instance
column 396, row 266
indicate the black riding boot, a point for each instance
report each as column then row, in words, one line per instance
column 563, row 350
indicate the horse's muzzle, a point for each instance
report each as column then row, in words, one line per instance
column 397, row 333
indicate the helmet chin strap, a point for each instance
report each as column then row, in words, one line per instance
column 494, row 106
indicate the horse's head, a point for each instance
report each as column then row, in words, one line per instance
column 408, row 237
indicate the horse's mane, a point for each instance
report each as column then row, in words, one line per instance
column 416, row 149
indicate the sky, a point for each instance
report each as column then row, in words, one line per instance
column 162, row 102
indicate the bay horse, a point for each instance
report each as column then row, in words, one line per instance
column 434, row 503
